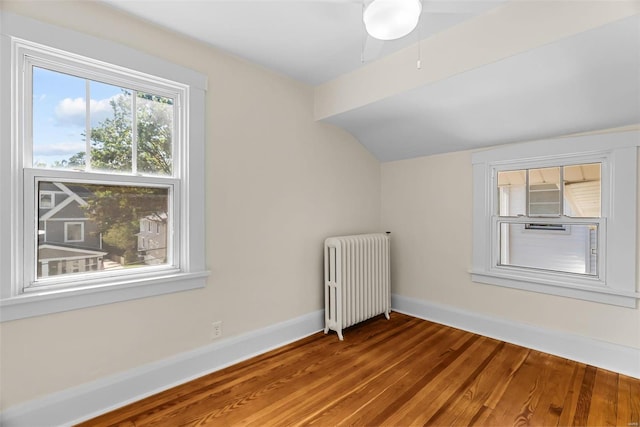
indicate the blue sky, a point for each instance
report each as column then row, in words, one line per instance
column 59, row 103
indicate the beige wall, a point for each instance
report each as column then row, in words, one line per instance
column 427, row 204
column 274, row 176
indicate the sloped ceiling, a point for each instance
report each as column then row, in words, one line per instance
column 491, row 72
column 586, row 82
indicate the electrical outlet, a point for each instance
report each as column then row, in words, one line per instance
column 216, row 331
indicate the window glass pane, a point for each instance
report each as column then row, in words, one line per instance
column 512, row 192
column 47, row 200
column 568, row 248
column 58, row 120
column 582, row 190
column 74, row 232
column 110, row 233
column 60, row 114
column 111, row 125
column 544, row 192
column 155, row 131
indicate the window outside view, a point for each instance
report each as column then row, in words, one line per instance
column 86, row 226
column 539, row 199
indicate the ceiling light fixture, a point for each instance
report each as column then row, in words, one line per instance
column 391, row 19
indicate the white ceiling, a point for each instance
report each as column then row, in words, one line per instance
column 584, row 82
column 310, row 40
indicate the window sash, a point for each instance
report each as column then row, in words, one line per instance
column 496, row 247
column 52, row 59
column 555, row 161
column 29, row 260
column 527, row 167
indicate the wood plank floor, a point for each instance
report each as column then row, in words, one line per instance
column 399, row 372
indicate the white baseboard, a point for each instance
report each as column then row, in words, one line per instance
column 613, row 357
column 89, row 400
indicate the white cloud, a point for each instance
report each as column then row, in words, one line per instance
column 72, row 111
column 59, row 149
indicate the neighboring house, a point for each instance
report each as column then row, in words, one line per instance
column 68, row 241
column 152, row 239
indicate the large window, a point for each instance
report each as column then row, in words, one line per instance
column 110, row 140
column 99, row 152
column 559, row 217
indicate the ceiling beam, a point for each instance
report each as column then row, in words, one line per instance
column 513, row 28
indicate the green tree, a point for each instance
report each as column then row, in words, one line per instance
column 74, row 162
column 155, row 130
column 117, row 211
column 112, row 142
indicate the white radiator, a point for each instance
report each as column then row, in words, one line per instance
column 357, row 280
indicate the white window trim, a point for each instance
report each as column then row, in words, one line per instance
column 66, row 231
column 617, row 281
column 192, row 272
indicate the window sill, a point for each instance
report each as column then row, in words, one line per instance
column 47, row 302
column 558, row 287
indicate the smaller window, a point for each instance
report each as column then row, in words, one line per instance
column 47, row 199
column 558, row 217
column 73, row 232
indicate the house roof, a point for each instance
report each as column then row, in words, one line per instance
column 57, row 253
column 73, row 197
column 157, row 217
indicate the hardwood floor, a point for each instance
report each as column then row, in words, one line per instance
column 399, row 372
